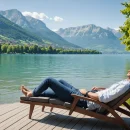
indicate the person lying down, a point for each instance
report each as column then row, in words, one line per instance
column 62, row 90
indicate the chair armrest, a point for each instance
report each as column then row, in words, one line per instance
column 77, row 98
column 86, row 98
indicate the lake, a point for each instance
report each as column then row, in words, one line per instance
column 82, row 71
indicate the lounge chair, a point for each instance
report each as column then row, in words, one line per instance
column 100, row 113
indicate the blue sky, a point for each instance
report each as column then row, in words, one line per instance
column 70, row 13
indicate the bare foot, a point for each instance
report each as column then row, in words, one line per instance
column 22, row 86
column 26, row 92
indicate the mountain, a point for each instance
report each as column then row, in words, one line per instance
column 115, row 32
column 93, row 37
column 38, row 28
column 12, row 31
column 46, row 34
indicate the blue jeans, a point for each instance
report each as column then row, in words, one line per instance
column 58, row 89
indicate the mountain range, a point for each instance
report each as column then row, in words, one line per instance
column 37, row 28
column 89, row 36
column 94, row 37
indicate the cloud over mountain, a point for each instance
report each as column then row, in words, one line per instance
column 41, row 16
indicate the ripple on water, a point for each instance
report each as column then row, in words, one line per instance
column 1, row 80
column 10, row 81
column 26, row 72
column 32, row 68
column 35, row 82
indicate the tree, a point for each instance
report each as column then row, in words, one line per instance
column 125, row 29
column 20, row 49
column 31, row 49
column 13, row 49
column 0, row 48
column 35, row 48
column 4, row 48
column 25, row 48
column 50, row 49
column 9, row 49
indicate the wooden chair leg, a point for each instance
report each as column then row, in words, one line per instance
column 122, row 123
column 43, row 108
column 73, row 105
column 126, row 105
column 51, row 109
column 31, row 110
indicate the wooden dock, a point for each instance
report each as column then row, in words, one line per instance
column 15, row 117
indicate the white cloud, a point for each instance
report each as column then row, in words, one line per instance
column 58, row 19
column 54, row 30
column 40, row 16
column 117, row 29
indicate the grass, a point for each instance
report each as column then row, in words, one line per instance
column 128, row 101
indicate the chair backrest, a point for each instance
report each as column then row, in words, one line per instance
column 112, row 103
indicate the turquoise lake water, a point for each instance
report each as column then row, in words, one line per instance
column 82, row 71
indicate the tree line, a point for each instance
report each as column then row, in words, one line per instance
column 35, row 49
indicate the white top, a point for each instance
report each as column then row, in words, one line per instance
column 110, row 93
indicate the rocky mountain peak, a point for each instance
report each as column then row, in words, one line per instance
column 35, row 22
column 90, row 30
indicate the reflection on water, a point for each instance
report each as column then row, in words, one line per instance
column 82, row 71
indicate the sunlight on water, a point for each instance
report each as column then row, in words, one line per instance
column 82, row 71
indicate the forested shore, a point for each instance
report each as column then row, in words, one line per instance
column 35, row 49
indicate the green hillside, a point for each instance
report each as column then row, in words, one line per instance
column 13, row 31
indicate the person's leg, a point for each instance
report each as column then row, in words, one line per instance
column 58, row 89
column 66, row 84
column 48, row 93
column 61, row 91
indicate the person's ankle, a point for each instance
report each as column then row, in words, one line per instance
column 29, row 94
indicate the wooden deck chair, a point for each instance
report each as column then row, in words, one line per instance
column 101, row 113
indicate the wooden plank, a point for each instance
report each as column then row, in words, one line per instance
column 78, row 119
column 66, row 121
column 89, row 124
column 101, row 125
column 9, row 104
column 58, row 118
column 17, row 118
column 73, row 122
column 9, row 108
column 20, row 114
column 52, row 121
column 12, row 113
column 41, row 121
column 23, row 121
column 81, row 123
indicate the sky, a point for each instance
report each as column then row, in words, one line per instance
column 70, row 13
